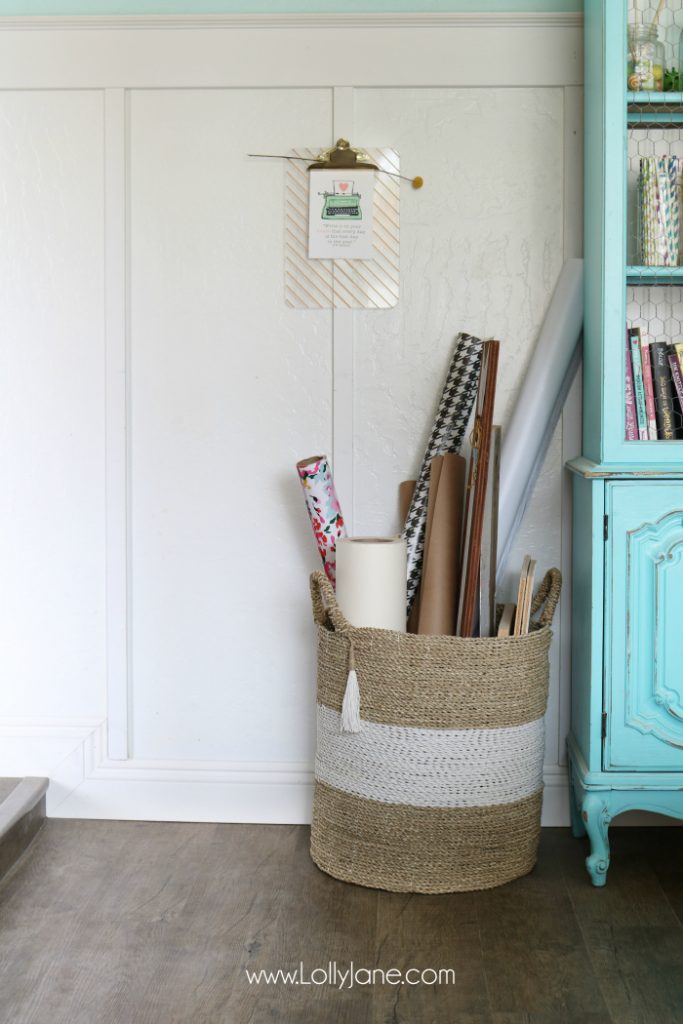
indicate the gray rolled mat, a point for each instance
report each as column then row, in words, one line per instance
column 457, row 399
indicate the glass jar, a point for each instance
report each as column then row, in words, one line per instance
column 645, row 59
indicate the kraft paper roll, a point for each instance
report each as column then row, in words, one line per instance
column 371, row 581
column 406, row 490
column 323, row 508
column 441, row 560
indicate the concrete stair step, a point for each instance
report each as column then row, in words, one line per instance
column 22, row 812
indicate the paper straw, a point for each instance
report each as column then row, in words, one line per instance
column 657, row 14
column 664, row 210
column 448, row 431
column 323, row 508
column 660, row 211
column 648, row 210
column 675, row 197
column 651, row 208
column 650, row 213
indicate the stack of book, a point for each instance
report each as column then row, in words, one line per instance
column 654, row 389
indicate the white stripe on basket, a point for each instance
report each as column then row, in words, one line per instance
column 431, row 767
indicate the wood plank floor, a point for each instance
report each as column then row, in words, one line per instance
column 6, row 787
column 147, row 923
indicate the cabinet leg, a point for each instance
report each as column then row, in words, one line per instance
column 596, row 819
column 578, row 827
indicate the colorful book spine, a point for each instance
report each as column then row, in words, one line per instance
column 678, row 346
column 649, row 390
column 631, row 418
column 677, row 379
column 638, row 383
column 661, row 375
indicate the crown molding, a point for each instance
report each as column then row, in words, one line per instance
column 234, row 22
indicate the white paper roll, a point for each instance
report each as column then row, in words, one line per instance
column 539, row 403
column 372, row 581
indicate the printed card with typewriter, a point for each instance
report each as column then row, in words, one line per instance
column 340, row 215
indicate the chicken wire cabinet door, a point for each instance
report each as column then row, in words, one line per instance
column 644, row 679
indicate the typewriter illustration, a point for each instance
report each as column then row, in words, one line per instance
column 343, row 203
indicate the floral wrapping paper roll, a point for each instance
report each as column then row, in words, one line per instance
column 323, row 508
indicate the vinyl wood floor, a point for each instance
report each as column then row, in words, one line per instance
column 144, row 923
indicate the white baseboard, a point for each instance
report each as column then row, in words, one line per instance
column 555, row 796
column 85, row 783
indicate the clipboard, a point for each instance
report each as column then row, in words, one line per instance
column 337, row 283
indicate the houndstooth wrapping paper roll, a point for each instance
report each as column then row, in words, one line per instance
column 323, row 509
column 457, row 399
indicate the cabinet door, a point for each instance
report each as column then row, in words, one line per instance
column 644, row 616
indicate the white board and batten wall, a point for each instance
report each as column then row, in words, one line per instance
column 156, row 646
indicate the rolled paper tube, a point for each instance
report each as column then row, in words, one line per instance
column 371, row 581
column 406, row 490
column 539, row 402
column 405, row 496
column 448, row 431
column 441, row 565
column 323, row 508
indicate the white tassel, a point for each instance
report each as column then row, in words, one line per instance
column 350, row 716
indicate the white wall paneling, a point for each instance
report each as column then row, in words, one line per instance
column 156, row 630
column 296, row 50
column 116, row 420
column 228, row 388
column 482, row 246
column 52, row 608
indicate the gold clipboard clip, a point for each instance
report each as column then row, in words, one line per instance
column 343, row 157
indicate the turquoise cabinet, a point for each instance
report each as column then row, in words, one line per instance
column 626, row 739
column 644, row 627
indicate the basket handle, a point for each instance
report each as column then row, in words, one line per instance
column 549, row 594
column 324, row 601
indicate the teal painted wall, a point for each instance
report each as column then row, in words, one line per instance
column 61, row 7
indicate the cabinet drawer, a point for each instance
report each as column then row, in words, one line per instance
column 644, row 617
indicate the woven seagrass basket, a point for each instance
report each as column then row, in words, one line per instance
column 441, row 789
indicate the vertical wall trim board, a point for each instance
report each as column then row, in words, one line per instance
column 116, row 448
column 342, row 349
column 572, row 413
